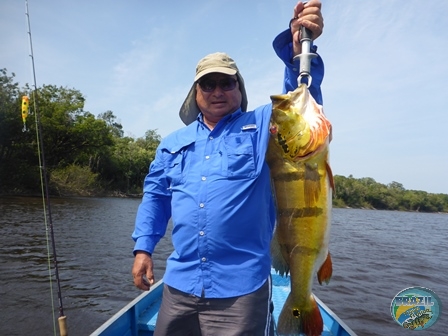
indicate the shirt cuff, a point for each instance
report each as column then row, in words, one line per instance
column 283, row 47
column 144, row 243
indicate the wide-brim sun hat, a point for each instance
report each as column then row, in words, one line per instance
column 216, row 62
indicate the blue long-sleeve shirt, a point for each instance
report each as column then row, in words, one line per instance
column 215, row 186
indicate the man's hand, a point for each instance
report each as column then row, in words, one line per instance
column 307, row 15
column 142, row 271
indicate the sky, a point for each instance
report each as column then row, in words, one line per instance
column 386, row 71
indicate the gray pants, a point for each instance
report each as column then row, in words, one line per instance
column 187, row 315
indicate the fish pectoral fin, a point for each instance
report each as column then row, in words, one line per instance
column 312, row 186
column 330, row 176
column 325, row 270
column 278, row 261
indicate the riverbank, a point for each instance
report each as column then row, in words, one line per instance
column 103, row 193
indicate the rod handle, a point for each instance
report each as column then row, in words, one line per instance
column 63, row 325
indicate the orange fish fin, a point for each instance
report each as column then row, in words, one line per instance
column 278, row 261
column 293, row 321
column 325, row 271
column 330, row 176
column 312, row 323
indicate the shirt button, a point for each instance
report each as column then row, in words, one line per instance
column 203, row 259
column 201, row 233
column 201, row 205
column 207, row 157
column 211, row 138
column 203, row 178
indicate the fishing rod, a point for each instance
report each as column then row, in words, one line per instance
column 45, row 191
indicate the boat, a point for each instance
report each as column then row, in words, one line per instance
column 138, row 318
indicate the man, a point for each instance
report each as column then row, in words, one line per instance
column 211, row 178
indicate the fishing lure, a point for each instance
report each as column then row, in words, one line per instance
column 25, row 109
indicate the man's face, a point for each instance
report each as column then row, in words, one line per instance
column 218, row 95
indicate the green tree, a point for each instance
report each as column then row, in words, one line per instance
column 367, row 193
column 350, row 191
column 409, row 201
column 10, row 120
column 132, row 158
column 110, row 119
column 70, row 134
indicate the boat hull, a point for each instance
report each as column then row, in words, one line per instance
column 138, row 318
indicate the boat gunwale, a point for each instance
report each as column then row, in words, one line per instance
column 123, row 311
column 333, row 315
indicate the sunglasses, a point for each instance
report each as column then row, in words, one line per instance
column 209, row 85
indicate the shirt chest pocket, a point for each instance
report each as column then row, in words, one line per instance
column 240, row 156
column 174, row 168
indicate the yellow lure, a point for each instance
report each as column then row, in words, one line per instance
column 25, row 107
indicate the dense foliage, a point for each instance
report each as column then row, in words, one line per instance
column 367, row 193
column 88, row 155
column 84, row 154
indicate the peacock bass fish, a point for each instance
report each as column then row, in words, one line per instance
column 302, row 184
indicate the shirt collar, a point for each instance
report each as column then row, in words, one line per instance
column 227, row 118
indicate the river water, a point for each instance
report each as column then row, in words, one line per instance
column 376, row 254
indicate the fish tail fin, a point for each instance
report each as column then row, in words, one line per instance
column 292, row 321
column 288, row 324
column 312, row 323
column 325, row 271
